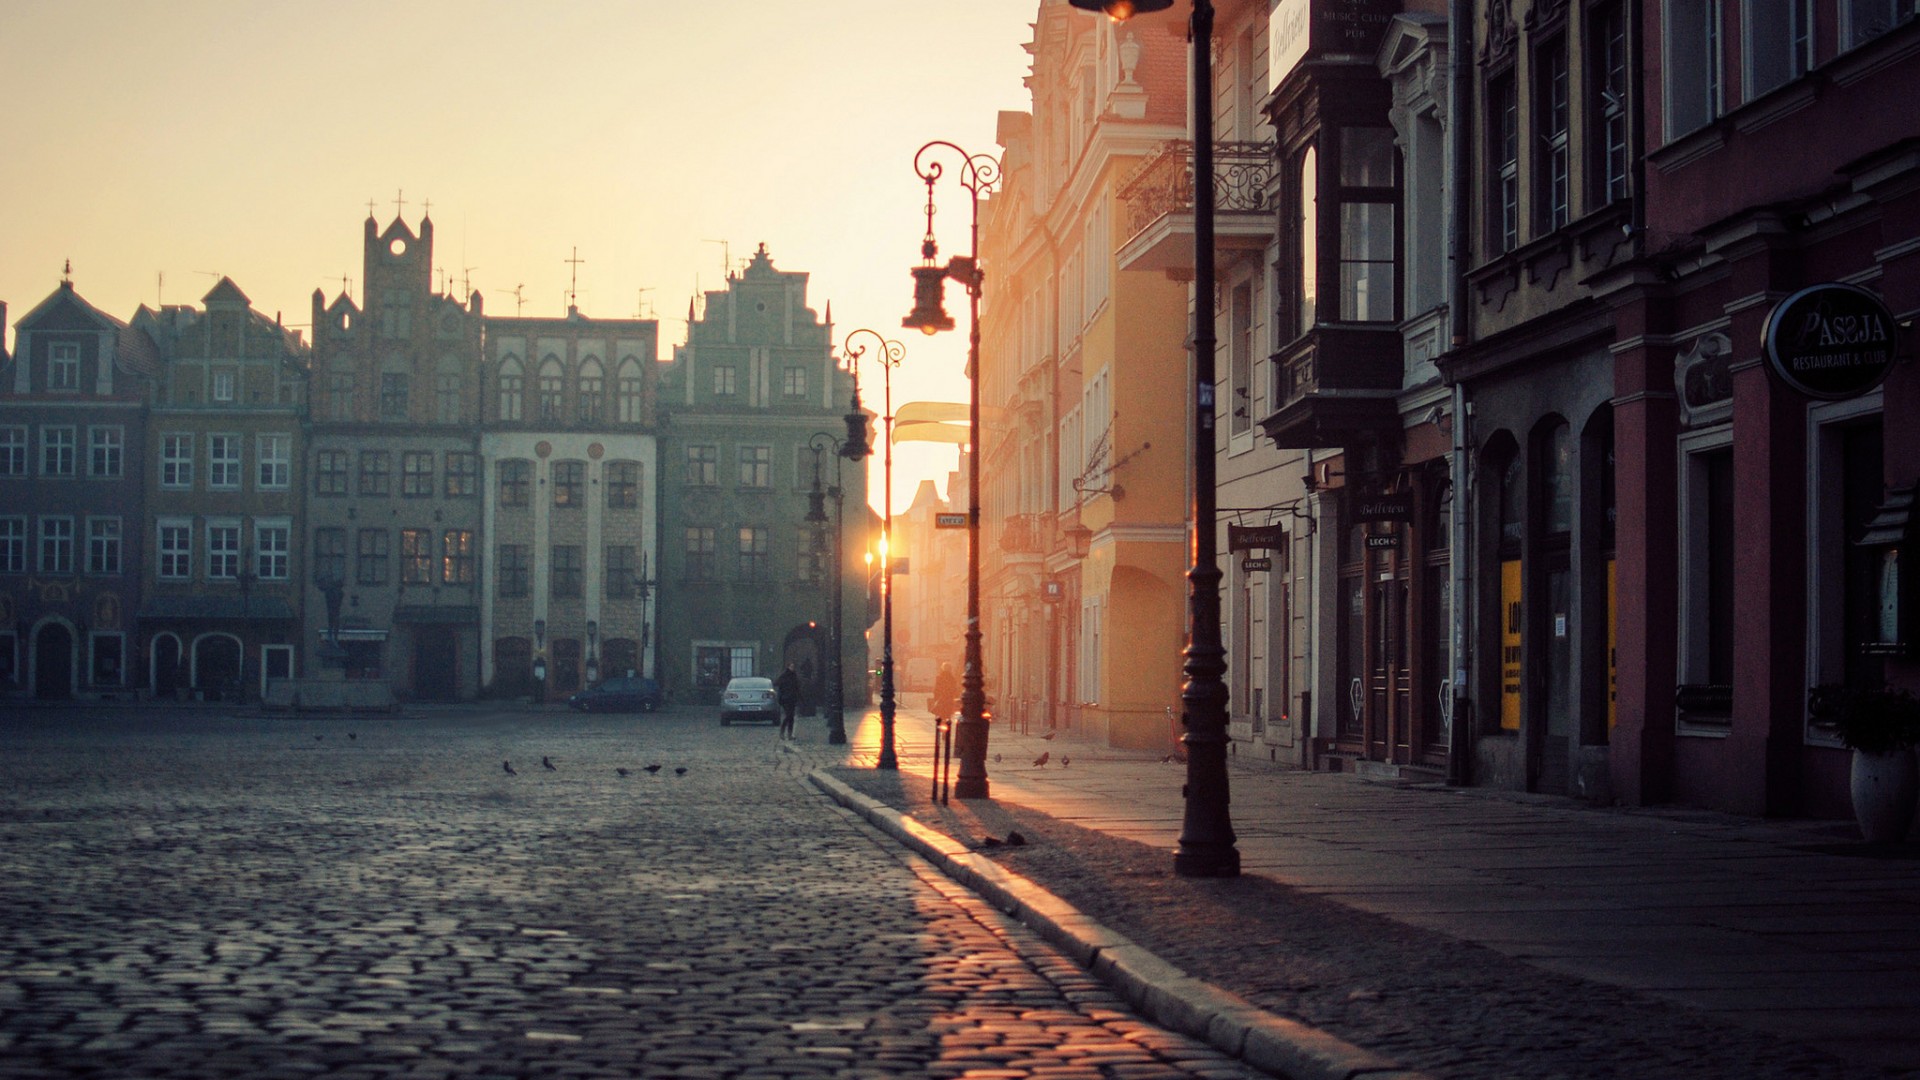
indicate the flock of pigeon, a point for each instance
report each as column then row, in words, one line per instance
column 547, row 764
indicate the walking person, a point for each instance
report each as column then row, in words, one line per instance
column 787, row 690
column 946, row 693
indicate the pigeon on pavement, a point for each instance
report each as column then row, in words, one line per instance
column 680, row 770
column 623, row 771
column 1049, row 735
column 351, row 736
column 996, row 759
column 547, row 763
column 1065, row 761
column 1014, row 839
column 508, row 765
column 654, row 768
column 1041, row 761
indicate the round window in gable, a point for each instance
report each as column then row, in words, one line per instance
column 762, row 305
column 398, row 247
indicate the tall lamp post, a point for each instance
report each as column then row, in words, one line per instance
column 890, row 355
column 1206, row 837
column 978, row 175
column 851, row 448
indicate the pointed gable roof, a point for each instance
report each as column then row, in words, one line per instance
column 226, row 292
column 64, row 300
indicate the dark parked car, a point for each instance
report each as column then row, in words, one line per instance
column 630, row 693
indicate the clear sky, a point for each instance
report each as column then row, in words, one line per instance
column 157, row 145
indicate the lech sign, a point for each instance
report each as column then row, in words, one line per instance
column 949, row 521
column 1830, row 341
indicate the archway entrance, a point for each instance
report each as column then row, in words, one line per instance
column 53, row 662
column 436, row 664
column 216, row 667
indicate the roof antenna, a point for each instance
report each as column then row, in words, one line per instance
column 573, row 289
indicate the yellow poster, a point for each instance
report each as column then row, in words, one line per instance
column 1510, row 624
column 1613, row 660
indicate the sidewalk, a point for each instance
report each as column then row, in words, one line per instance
column 1793, row 929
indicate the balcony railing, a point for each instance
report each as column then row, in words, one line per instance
column 1164, row 182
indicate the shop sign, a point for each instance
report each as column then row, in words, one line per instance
column 1382, row 541
column 1255, row 565
column 949, row 521
column 1297, row 29
column 1830, row 341
column 1256, row 537
column 1392, row 506
column 1052, row 591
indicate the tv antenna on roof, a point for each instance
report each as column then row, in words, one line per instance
column 640, row 305
column 726, row 256
column 518, row 300
column 573, row 289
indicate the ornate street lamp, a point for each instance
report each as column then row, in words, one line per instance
column 851, row 449
column 978, row 175
column 890, row 355
column 1206, row 837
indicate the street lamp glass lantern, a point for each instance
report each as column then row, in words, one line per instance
column 929, row 315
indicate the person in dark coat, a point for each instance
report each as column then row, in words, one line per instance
column 787, row 689
column 946, row 693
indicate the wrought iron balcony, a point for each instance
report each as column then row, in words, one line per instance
column 1159, row 199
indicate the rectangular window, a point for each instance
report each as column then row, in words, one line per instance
column 703, row 466
column 176, row 462
column 56, row 545
column 1551, row 116
column 416, row 557
column 106, row 451
column 376, row 472
column 275, row 470
column 13, row 545
column 56, row 451
column 330, row 554
column 753, row 554
column 569, row 575
column 593, row 398
column 416, row 474
column 330, row 472
column 1503, row 120
column 223, row 550
column 63, row 366
column 223, row 463
column 176, row 549
column 723, row 381
column 1708, row 571
column 700, row 552
column 1369, row 248
column 516, row 577
column 623, row 577
column 516, row 482
column 370, row 562
column 793, row 382
column 1864, row 20
column 756, row 466
column 1692, row 65
column 569, row 483
column 103, row 545
column 339, row 396
column 456, row 557
column 549, row 385
column 13, row 450
column 223, row 386
column 627, row 395
column 1608, row 68
column 393, row 397
column 1779, row 42
column 463, row 473
column 446, row 398
column 1240, row 357
column 623, row 485
column 272, row 542
column 511, row 390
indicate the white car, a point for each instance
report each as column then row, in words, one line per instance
column 749, row 697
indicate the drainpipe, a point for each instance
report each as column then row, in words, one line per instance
column 1460, row 714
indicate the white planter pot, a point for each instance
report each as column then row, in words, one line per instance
column 1884, row 789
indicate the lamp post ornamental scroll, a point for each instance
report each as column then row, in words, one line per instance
column 890, row 354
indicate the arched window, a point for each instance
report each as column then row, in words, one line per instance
column 552, row 379
column 592, row 391
column 1513, row 502
column 1308, row 224
column 626, row 391
column 512, row 388
column 1556, row 478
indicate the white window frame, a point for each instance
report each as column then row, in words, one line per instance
column 1763, row 25
column 63, row 367
column 175, row 562
column 219, row 467
column 223, row 386
column 105, row 534
column 109, row 439
column 53, row 440
column 56, row 537
column 1854, row 32
column 275, row 461
column 221, row 557
column 1674, row 66
column 13, row 450
column 13, row 544
column 272, row 548
column 1691, row 490
column 173, row 461
column 725, row 383
column 1826, row 589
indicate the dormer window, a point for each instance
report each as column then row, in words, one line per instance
column 223, row 386
column 63, row 367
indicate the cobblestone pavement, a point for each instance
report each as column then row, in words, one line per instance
column 202, row 895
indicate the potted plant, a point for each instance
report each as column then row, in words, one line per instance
column 1881, row 727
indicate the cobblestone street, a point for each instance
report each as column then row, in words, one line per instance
column 202, row 895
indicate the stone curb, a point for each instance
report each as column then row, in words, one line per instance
column 1160, row 991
